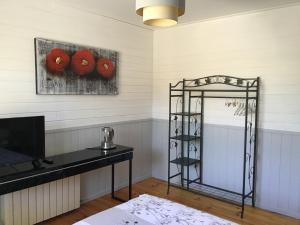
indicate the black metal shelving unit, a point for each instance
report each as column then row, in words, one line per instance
column 186, row 132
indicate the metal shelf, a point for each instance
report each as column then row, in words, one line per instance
column 216, row 193
column 193, row 94
column 186, row 114
column 185, row 161
column 185, row 137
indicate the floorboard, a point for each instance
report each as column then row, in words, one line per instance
column 253, row 216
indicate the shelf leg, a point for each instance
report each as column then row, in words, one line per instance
column 245, row 149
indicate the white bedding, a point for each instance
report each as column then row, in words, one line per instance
column 151, row 210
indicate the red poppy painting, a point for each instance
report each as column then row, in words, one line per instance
column 64, row 68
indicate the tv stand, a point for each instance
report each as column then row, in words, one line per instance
column 64, row 167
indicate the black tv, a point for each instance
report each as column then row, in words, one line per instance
column 22, row 139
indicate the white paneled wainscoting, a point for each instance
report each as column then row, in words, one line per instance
column 278, row 178
column 37, row 204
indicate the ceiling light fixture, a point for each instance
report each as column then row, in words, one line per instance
column 160, row 13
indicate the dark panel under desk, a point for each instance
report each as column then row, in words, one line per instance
column 24, row 176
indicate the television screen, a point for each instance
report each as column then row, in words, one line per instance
column 21, row 139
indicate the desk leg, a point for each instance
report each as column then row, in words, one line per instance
column 113, row 182
column 130, row 179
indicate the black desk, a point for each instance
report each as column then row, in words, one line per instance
column 23, row 175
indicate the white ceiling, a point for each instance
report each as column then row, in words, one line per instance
column 124, row 10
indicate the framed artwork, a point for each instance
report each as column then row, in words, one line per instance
column 70, row 69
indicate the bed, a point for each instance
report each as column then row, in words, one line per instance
column 151, row 210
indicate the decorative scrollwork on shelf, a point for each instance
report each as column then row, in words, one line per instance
column 218, row 79
column 240, row 106
column 174, row 147
column 250, row 152
column 176, row 127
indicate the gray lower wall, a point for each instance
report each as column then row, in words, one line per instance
column 278, row 175
column 278, row 178
column 96, row 183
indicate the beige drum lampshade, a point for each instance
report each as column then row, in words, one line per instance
column 161, row 13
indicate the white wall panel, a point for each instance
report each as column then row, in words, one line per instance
column 264, row 44
column 33, row 205
column 17, row 210
column 71, row 193
column 53, row 198
column 65, row 198
column 39, row 203
column 59, row 194
column 7, row 212
column 46, row 201
column 21, row 21
column 25, row 206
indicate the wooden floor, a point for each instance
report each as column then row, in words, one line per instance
column 156, row 187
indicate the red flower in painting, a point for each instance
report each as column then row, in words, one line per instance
column 83, row 62
column 105, row 68
column 57, row 60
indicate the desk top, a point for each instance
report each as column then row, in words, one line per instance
column 61, row 162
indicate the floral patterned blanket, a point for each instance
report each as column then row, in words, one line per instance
column 151, row 210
